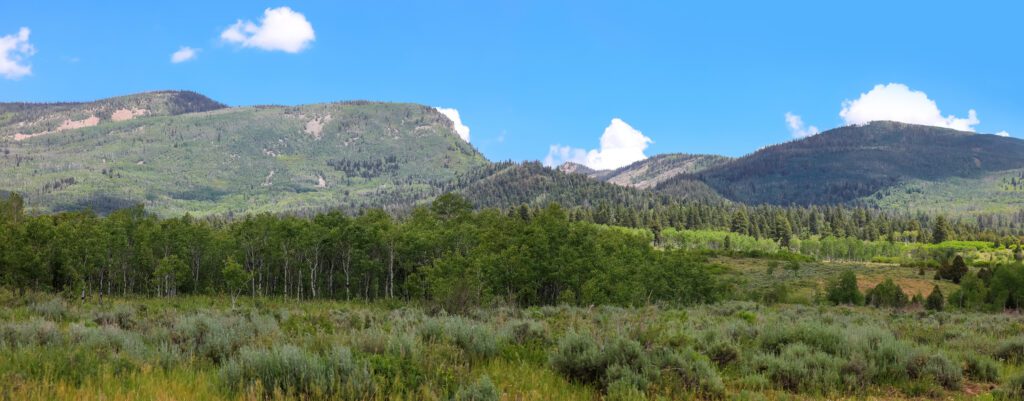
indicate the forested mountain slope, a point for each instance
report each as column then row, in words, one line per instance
column 650, row 172
column 854, row 163
column 186, row 153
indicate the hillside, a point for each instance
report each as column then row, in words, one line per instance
column 20, row 121
column 868, row 163
column 650, row 172
column 186, row 153
column 509, row 184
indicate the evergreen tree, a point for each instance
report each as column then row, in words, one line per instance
column 935, row 300
column 844, row 290
column 942, row 231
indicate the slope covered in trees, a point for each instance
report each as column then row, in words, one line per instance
column 186, row 154
column 854, row 162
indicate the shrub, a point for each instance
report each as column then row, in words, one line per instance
column 578, row 358
column 723, row 353
column 205, row 337
column 292, row 371
column 481, row 390
column 54, row 309
column 689, row 371
column 33, row 332
column 935, row 300
column 936, row 367
column 982, row 368
column 886, row 294
column 825, row 338
column 1011, row 350
column 623, row 390
column 218, row 337
column 108, row 339
column 800, row 368
column 477, row 340
column 403, row 345
column 626, row 353
column 619, row 375
column 1013, row 389
column 526, row 331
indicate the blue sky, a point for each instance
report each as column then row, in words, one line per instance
column 715, row 77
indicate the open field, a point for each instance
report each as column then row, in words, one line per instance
column 198, row 348
column 753, row 276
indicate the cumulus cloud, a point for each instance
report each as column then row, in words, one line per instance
column 184, row 54
column 897, row 102
column 1003, row 133
column 621, row 145
column 14, row 49
column 453, row 115
column 281, row 29
column 797, row 127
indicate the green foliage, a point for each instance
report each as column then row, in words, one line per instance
column 1011, row 349
column 477, row 341
column 235, row 278
column 481, row 390
column 953, row 272
column 349, row 156
column 289, row 370
column 864, row 162
column 982, row 368
column 198, row 347
column 935, row 300
column 844, row 290
column 1012, row 389
column 886, row 294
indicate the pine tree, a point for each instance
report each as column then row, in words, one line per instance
column 942, row 231
column 935, row 300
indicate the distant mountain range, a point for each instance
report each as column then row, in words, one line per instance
column 178, row 152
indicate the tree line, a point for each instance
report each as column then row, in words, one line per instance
column 443, row 253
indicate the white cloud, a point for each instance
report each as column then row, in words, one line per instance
column 797, row 128
column 621, row 145
column 184, row 54
column 1003, row 133
column 897, row 102
column 453, row 115
column 281, row 29
column 13, row 51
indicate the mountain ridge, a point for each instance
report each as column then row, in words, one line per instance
column 181, row 152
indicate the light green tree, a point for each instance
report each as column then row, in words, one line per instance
column 236, row 278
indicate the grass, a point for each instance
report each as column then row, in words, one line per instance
column 756, row 278
column 199, row 348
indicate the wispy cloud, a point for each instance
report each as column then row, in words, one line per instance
column 184, row 54
column 797, row 127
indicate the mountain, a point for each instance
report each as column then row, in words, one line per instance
column 179, row 152
column 877, row 163
column 509, row 184
column 650, row 172
column 20, row 121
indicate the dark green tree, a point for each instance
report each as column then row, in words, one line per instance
column 843, row 290
column 942, row 231
column 935, row 300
